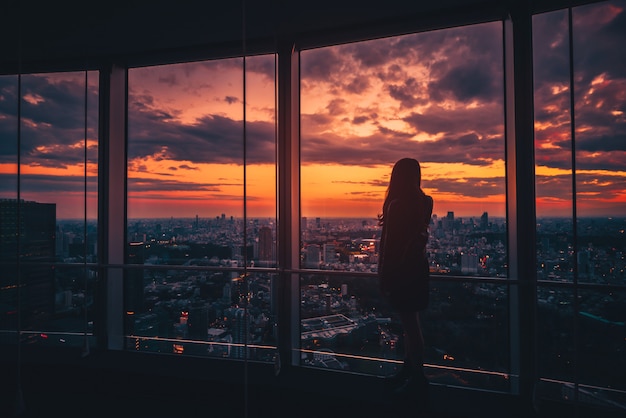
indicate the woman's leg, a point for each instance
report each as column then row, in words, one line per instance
column 416, row 386
column 413, row 340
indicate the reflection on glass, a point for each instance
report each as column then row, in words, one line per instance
column 202, row 199
column 55, row 213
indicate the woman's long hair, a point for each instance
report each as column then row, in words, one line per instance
column 405, row 181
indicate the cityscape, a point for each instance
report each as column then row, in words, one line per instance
column 179, row 161
column 200, row 291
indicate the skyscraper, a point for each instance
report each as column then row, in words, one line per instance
column 239, row 331
column 266, row 245
column 133, row 282
column 313, row 256
column 28, row 234
column 448, row 221
column 484, row 221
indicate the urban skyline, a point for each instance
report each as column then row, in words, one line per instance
column 195, row 296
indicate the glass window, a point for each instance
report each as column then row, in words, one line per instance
column 8, row 197
column 592, row 166
column 600, row 103
column 53, row 209
column 202, row 207
column 434, row 96
column 580, row 178
column 553, row 147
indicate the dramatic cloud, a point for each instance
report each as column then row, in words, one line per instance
column 550, row 48
column 32, row 185
column 599, row 36
column 52, row 129
column 322, row 65
column 141, row 186
column 466, row 83
column 474, row 187
column 599, row 86
column 588, row 186
column 486, row 120
column 437, row 96
column 386, row 146
column 211, row 139
column 409, row 94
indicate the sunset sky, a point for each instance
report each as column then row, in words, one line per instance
column 435, row 96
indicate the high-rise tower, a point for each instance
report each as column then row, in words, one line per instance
column 266, row 245
column 27, row 234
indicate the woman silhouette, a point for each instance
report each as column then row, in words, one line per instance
column 405, row 220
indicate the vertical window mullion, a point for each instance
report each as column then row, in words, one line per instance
column 113, row 201
column 288, row 203
column 521, row 200
column 576, row 324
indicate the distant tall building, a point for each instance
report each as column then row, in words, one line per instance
column 238, row 289
column 35, row 225
column 469, row 263
column 266, row 245
column 484, row 221
column 198, row 321
column 330, row 253
column 227, row 293
column 133, row 282
column 313, row 256
column 304, row 227
column 448, row 222
column 585, row 266
column 239, row 327
column 62, row 244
